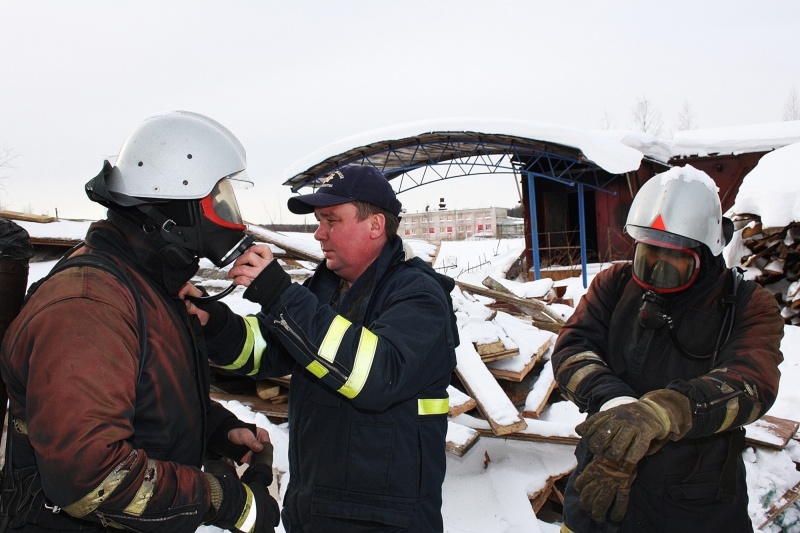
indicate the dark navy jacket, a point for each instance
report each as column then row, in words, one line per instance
column 368, row 398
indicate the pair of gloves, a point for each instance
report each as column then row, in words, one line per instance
column 619, row 438
column 245, row 505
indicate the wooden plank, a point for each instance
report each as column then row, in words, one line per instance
column 460, row 402
column 265, row 390
column 281, row 243
column 537, row 411
column 460, row 439
column 779, row 430
column 781, row 504
column 462, row 408
column 481, row 385
column 27, row 217
column 551, row 322
column 278, row 410
column 539, row 497
column 510, row 375
column 532, row 437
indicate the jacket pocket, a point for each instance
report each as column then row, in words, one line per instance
column 701, row 486
column 370, row 458
column 348, row 511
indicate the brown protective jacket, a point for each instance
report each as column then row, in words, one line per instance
column 603, row 352
column 114, row 438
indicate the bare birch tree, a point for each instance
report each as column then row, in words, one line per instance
column 791, row 109
column 646, row 118
column 686, row 118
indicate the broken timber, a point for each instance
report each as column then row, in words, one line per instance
column 541, row 316
column 781, row 504
column 781, row 429
column 489, row 396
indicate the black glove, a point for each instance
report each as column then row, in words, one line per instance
column 603, row 483
column 244, row 506
column 630, row 431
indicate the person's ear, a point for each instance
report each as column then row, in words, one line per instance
column 377, row 224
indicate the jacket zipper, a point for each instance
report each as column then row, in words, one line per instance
column 305, row 346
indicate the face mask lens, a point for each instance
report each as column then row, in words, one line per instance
column 664, row 269
column 221, row 208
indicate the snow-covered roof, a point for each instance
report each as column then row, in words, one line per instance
column 772, row 189
column 605, row 151
column 735, row 140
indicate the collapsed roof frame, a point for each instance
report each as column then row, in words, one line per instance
column 415, row 161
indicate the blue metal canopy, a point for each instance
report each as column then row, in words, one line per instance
column 425, row 158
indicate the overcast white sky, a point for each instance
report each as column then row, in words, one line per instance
column 291, row 77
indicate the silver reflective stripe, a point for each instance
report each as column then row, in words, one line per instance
column 145, row 492
column 102, row 492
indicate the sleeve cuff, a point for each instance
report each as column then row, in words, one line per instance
column 267, row 288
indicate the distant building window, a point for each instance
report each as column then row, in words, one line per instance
column 408, row 232
column 480, row 227
column 449, row 229
column 431, row 230
column 488, row 226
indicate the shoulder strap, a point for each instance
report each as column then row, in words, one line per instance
column 103, row 262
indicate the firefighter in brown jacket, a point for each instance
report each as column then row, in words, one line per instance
column 670, row 356
column 106, row 372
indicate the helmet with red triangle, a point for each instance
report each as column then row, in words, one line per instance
column 680, row 206
column 671, row 217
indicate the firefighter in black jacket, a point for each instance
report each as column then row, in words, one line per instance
column 670, row 356
column 370, row 343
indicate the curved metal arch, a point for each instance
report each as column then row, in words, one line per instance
column 460, row 153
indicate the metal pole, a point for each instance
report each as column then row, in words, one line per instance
column 534, row 227
column 582, row 222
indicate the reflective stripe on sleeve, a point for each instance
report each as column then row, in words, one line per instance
column 361, row 365
column 316, row 368
column 247, row 520
column 433, row 406
column 103, row 491
column 145, row 492
column 332, row 340
column 254, row 345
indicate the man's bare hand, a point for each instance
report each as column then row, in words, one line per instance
column 190, row 291
column 246, row 437
column 250, row 264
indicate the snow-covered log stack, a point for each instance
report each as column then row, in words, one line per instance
column 770, row 256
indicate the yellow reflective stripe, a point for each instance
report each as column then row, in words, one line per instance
column 247, row 520
column 247, row 349
column 145, row 492
column 330, row 344
column 316, row 368
column 433, row 406
column 363, row 362
column 259, row 343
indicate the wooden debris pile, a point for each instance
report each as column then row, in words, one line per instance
column 494, row 392
column 775, row 253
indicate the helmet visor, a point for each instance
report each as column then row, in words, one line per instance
column 663, row 267
column 220, row 206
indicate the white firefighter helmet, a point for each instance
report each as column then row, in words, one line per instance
column 679, row 207
column 177, row 155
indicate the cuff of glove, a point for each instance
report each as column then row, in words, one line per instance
column 619, row 400
column 220, row 444
column 674, row 409
column 267, row 288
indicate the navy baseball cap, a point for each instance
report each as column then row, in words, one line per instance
column 353, row 182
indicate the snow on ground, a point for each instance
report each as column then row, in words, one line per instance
column 491, row 494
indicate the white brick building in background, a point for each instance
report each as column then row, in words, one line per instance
column 459, row 224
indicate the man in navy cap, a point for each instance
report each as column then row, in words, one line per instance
column 370, row 343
